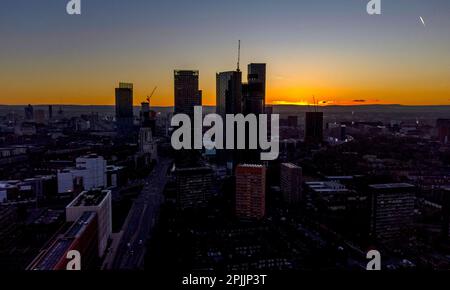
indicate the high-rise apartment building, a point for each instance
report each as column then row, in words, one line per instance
column 250, row 191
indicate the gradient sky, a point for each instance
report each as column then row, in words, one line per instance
column 328, row 48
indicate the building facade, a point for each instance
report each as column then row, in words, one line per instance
column 98, row 201
column 250, row 191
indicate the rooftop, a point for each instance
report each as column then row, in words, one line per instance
column 391, row 185
column 80, row 225
column 291, row 165
column 57, row 249
column 326, row 186
column 54, row 254
column 251, row 165
column 89, row 198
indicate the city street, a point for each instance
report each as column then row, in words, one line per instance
column 141, row 220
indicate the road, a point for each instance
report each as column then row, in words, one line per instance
column 141, row 220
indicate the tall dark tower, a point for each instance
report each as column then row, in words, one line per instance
column 314, row 127
column 228, row 101
column 255, row 90
column 254, row 100
column 50, row 112
column 229, row 93
column 187, row 94
column 124, row 108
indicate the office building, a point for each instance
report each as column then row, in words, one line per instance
column 228, row 101
column 392, row 210
column 255, row 90
column 250, row 191
column 88, row 173
column 228, row 93
column 291, row 182
column 98, row 201
column 124, row 108
column 187, row 94
column 194, row 186
column 314, row 127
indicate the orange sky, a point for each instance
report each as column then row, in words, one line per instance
column 327, row 49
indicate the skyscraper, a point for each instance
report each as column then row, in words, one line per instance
column 250, row 191
column 255, row 90
column 254, row 99
column 229, row 93
column 124, row 108
column 314, row 127
column 50, row 112
column 228, row 101
column 187, row 94
column 291, row 182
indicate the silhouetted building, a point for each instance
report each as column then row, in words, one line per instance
column 187, row 94
column 291, row 182
column 29, row 113
column 50, row 112
column 228, row 93
column 254, row 92
column 250, row 191
column 392, row 211
column 228, row 101
column 254, row 99
column 194, row 186
column 124, row 108
column 443, row 127
column 314, row 127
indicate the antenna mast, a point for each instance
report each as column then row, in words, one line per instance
column 239, row 56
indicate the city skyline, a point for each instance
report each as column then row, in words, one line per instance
column 335, row 52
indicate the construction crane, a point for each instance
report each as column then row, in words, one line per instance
column 151, row 95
